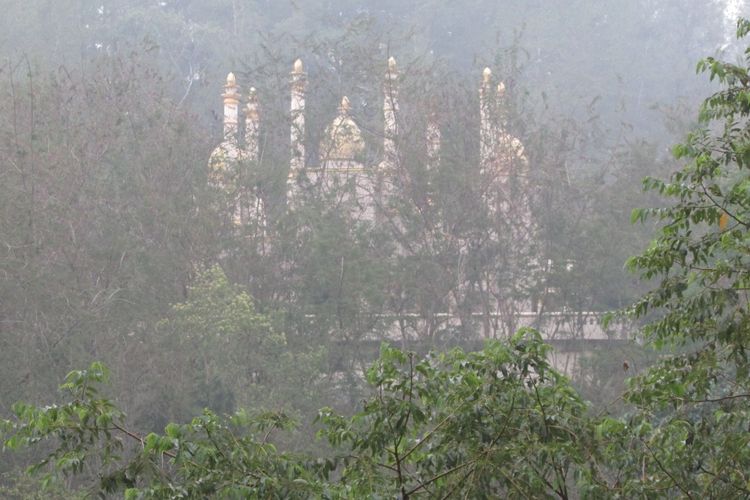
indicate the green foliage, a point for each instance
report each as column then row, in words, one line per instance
column 82, row 428
column 498, row 422
column 104, row 224
column 224, row 353
column 230, row 458
column 98, row 215
column 689, row 433
column 494, row 423
column 701, row 259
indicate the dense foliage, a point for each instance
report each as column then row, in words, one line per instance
column 693, row 406
column 111, row 237
column 489, row 423
column 107, row 222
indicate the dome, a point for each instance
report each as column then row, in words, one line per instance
column 508, row 158
column 510, row 149
column 343, row 138
column 222, row 164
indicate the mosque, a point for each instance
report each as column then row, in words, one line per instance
column 361, row 191
column 341, row 173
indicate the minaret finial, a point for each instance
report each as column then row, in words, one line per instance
column 345, row 106
column 391, row 63
column 298, row 67
column 252, row 104
column 231, row 89
column 487, row 75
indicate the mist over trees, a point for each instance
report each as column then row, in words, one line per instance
column 631, row 56
column 216, row 352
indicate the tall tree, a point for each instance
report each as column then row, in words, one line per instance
column 693, row 408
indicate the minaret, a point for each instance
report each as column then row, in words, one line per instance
column 501, row 106
column 231, row 97
column 252, row 208
column 390, row 110
column 297, row 136
column 252, row 126
column 222, row 162
column 432, row 141
column 485, row 120
column 433, row 138
column 224, row 169
column 345, row 107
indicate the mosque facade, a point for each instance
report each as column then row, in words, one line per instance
column 341, row 172
column 361, row 190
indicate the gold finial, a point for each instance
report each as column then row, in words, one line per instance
column 231, row 90
column 391, row 64
column 487, row 75
column 345, row 106
column 298, row 67
column 500, row 89
column 252, row 98
column 252, row 105
column 343, row 138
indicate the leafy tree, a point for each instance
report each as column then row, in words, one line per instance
column 499, row 422
column 207, row 456
column 101, row 180
column 689, row 434
column 105, row 223
column 494, row 423
column 223, row 354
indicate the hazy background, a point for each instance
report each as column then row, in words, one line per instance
column 108, row 234
column 630, row 55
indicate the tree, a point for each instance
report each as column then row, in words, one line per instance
column 499, row 422
column 688, row 435
column 103, row 267
column 224, row 354
column 208, row 456
column 102, row 174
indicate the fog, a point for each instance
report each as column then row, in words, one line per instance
column 241, row 205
